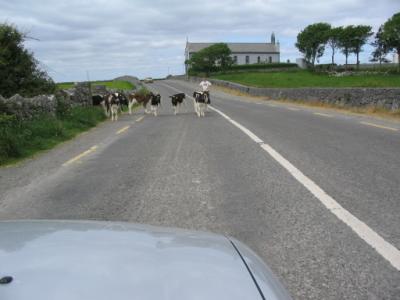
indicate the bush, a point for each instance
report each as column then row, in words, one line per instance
column 143, row 91
column 19, row 139
column 20, row 72
column 249, row 67
column 325, row 67
column 263, row 66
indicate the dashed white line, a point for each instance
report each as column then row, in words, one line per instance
column 323, row 115
column 292, row 108
column 379, row 126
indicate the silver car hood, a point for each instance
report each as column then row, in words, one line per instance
column 106, row 260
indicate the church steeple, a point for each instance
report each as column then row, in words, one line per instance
column 273, row 38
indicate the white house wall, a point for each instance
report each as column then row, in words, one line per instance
column 253, row 58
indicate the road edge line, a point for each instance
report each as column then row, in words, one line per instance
column 384, row 248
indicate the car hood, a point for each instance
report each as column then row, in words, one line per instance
column 108, row 260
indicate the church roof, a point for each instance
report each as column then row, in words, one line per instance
column 238, row 47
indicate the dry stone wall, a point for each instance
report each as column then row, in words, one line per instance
column 388, row 98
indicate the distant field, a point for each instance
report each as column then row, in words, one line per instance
column 120, row 85
column 297, row 79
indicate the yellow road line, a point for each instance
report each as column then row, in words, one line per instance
column 123, row 129
column 322, row 114
column 92, row 149
column 140, row 119
column 379, row 126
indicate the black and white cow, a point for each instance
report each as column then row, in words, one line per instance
column 177, row 101
column 200, row 102
column 97, row 100
column 155, row 102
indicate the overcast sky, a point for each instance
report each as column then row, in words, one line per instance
column 109, row 38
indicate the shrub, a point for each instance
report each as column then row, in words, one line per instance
column 20, row 139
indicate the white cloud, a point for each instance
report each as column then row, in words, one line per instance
column 144, row 38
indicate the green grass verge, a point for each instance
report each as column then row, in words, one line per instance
column 298, row 79
column 22, row 139
column 117, row 84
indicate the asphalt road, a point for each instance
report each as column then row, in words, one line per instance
column 207, row 174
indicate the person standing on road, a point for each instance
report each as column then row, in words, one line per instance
column 205, row 85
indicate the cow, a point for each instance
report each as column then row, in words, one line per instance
column 177, row 101
column 155, row 101
column 200, row 102
column 97, row 100
column 140, row 99
column 112, row 104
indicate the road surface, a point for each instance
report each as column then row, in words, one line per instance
column 263, row 172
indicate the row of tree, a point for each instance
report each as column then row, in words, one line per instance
column 19, row 70
column 349, row 39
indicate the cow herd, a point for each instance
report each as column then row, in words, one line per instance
column 112, row 103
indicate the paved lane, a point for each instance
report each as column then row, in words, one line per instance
column 357, row 164
column 201, row 174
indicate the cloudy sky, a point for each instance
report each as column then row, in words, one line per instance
column 147, row 38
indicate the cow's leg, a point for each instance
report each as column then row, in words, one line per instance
column 114, row 112
column 145, row 107
column 184, row 103
column 130, row 105
column 195, row 106
column 103, row 104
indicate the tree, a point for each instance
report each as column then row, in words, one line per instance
column 19, row 70
column 214, row 57
column 333, row 40
column 379, row 54
column 361, row 33
column 312, row 40
column 346, row 41
column 391, row 35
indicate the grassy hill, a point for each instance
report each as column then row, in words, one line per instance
column 303, row 78
column 113, row 84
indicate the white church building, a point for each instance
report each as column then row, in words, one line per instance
column 244, row 53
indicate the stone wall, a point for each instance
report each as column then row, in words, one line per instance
column 79, row 95
column 388, row 98
column 26, row 108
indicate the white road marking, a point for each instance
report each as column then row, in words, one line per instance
column 123, row 129
column 76, row 158
column 323, row 115
column 384, row 248
column 379, row 126
column 292, row 108
column 139, row 119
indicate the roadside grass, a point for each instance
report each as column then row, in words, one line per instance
column 22, row 139
column 367, row 110
column 303, row 78
column 113, row 84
